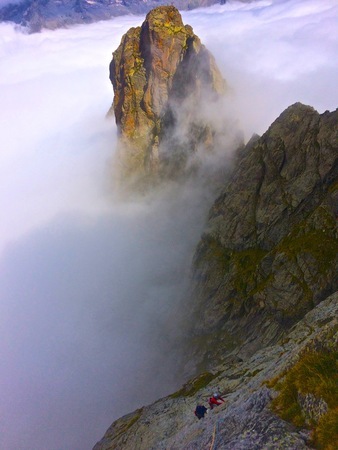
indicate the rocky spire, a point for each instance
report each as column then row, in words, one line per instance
column 161, row 73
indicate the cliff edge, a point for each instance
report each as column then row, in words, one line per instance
column 269, row 251
column 265, row 304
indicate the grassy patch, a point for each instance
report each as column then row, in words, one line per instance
column 212, row 251
column 316, row 374
column 246, row 265
column 334, row 187
column 325, row 435
column 193, row 386
column 124, row 424
column 318, row 241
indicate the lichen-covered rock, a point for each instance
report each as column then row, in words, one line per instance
column 161, row 73
column 246, row 420
column 269, row 253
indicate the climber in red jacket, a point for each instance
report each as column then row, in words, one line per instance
column 215, row 400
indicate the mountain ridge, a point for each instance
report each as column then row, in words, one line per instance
column 39, row 14
column 273, row 226
column 263, row 295
column 261, row 311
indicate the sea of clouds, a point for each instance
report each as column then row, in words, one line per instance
column 90, row 285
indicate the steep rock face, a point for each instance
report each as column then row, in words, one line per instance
column 38, row 14
column 268, row 256
column 269, row 253
column 161, row 74
column 246, row 420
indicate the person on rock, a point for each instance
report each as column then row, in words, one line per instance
column 200, row 411
column 215, row 400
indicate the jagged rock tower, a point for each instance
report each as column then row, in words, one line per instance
column 161, row 73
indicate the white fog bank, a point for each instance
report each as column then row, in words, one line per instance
column 90, row 287
column 273, row 54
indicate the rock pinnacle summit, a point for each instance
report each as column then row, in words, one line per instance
column 161, row 74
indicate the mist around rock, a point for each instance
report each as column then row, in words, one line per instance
column 163, row 77
column 87, row 280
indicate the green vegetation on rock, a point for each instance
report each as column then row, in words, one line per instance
column 308, row 396
column 247, row 263
column 316, row 236
column 124, row 424
column 193, row 386
column 211, row 251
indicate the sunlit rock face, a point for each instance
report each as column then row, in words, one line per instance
column 161, row 75
column 269, row 252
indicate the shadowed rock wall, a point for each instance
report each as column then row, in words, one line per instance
column 269, row 253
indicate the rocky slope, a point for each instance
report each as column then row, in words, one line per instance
column 161, row 75
column 263, row 300
column 247, row 420
column 269, row 252
column 265, row 322
column 38, row 14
